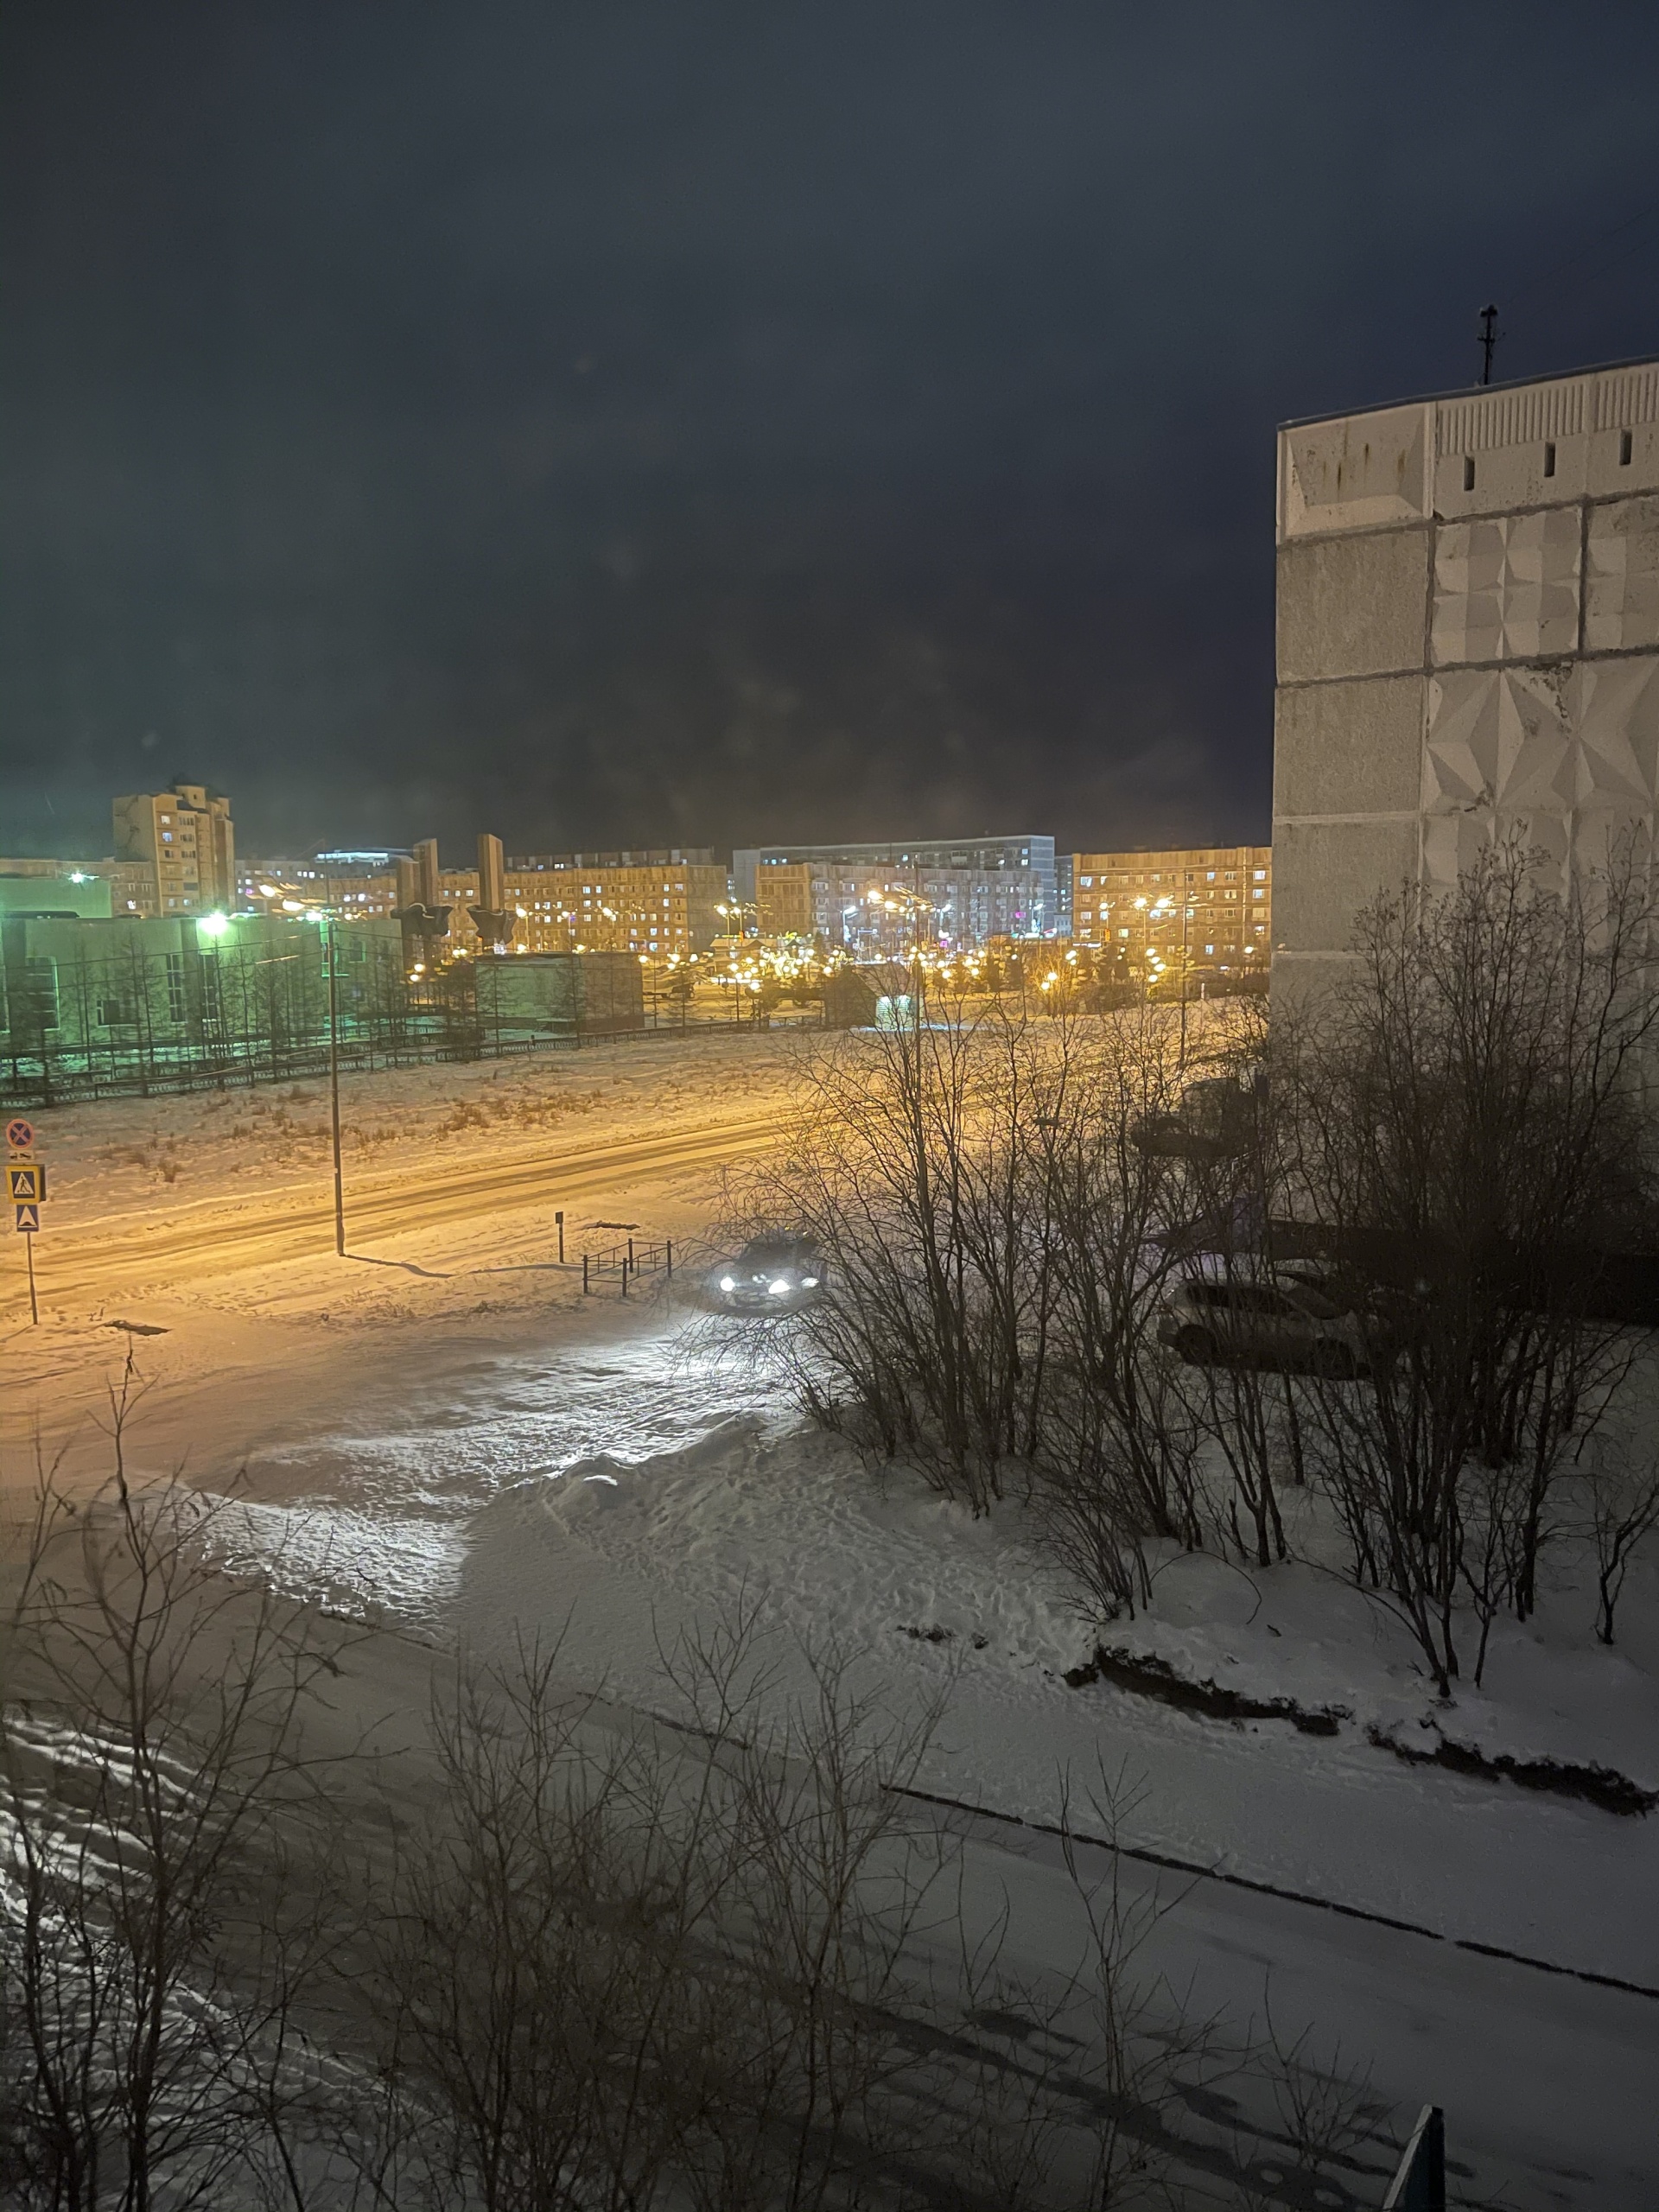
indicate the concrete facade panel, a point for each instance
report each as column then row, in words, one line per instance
column 1349, row 749
column 1621, row 585
column 1353, row 605
column 1535, row 691
column 1336, row 868
column 1507, row 588
column 1357, row 473
column 1557, row 756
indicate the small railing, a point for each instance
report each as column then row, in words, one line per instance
column 624, row 1262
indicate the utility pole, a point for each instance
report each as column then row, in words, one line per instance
column 1490, row 334
column 329, row 924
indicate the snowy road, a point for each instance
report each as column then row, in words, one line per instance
column 209, row 1236
column 629, row 1485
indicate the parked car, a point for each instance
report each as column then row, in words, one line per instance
column 1215, row 1119
column 770, row 1275
column 1287, row 1322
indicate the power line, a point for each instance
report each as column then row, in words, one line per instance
column 1577, row 256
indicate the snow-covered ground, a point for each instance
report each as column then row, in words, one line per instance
column 121, row 1154
column 637, row 1478
column 615, row 1488
column 449, row 1440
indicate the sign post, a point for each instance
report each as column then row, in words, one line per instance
column 26, row 1193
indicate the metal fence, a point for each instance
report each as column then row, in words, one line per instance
column 623, row 1263
column 140, row 1026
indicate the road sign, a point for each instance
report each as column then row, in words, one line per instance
column 20, row 1133
column 26, row 1220
column 25, row 1181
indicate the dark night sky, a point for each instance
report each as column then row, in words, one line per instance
column 626, row 423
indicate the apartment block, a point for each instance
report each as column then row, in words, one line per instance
column 177, row 852
column 659, row 906
column 1209, row 906
column 872, row 900
column 1468, row 644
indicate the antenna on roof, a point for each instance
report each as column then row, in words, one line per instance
column 1490, row 334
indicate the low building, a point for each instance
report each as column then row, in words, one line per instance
column 856, row 998
column 558, row 995
column 1207, row 908
column 179, row 850
column 877, row 900
column 153, row 985
column 40, row 893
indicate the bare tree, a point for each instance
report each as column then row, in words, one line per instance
column 1469, row 1138
column 154, row 1779
column 617, row 1955
column 995, row 1248
column 1621, row 1486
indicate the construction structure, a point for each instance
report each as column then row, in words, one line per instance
column 874, row 900
column 1468, row 644
column 1199, row 912
column 177, row 850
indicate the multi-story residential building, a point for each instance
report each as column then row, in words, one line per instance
column 178, row 851
column 1468, row 644
column 651, row 903
column 360, row 881
column 657, row 904
column 875, row 900
column 353, row 888
column 1203, row 909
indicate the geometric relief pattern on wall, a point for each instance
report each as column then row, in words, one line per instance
column 1620, row 589
column 1507, row 589
column 1569, row 761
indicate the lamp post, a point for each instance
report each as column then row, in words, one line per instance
column 327, row 921
column 333, row 1093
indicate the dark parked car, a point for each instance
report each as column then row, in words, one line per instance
column 770, row 1275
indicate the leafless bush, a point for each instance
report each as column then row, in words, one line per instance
column 995, row 1245
column 1469, row 1137
column 1619, row 1478
column 153, row 1794
column 615, row 1957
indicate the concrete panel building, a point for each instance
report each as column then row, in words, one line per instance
column 179, row 851
column 1468, row 643
column 657, row 905
column 970, row 889
column 1207, row 907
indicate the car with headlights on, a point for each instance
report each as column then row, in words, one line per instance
column 770, row 1275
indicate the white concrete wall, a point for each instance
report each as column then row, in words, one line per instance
column 1468, row 641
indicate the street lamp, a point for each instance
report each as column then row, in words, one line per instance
column 327, row 924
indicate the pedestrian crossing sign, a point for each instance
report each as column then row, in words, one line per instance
column 25, row 1182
